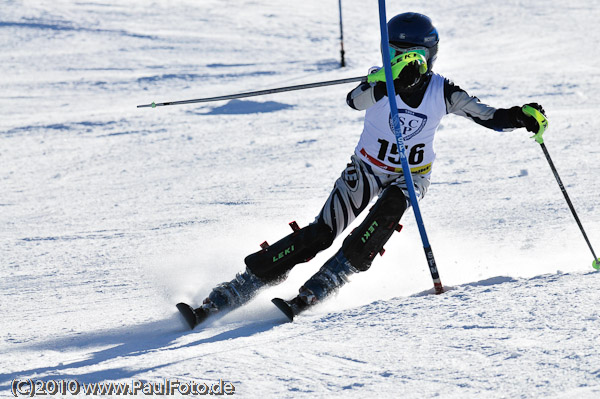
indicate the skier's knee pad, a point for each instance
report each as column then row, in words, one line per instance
column 273, row 262
column 368, row 239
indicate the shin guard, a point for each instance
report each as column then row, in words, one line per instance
column 275, row 261
column 368, row 239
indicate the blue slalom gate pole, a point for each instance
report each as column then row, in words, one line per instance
column 437, row 283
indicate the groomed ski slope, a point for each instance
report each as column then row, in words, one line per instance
column 111, row 214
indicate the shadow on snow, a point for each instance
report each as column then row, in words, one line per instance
column 125, row 342
column 239, row 107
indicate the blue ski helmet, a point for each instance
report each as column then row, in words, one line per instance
column 412, row 29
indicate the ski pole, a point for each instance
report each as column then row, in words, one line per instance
column 543, row 123
column 258, row 93
column 437, row 283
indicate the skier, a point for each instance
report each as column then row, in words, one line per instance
column 423, row 98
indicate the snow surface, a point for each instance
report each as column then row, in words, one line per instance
column 111, row 214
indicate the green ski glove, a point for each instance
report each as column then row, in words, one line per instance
column 398, row 64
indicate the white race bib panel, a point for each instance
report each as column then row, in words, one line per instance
column 377, row 145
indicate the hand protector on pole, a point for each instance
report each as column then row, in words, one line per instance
column 536, row 121
column 533, row 118
column 411, row 58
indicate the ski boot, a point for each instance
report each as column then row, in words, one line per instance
column 225, row 296
column 269, row 266
column 326, row 281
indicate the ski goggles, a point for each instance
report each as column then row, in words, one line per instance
column 396, row 51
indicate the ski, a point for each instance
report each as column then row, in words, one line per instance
column 191, row 316
column 290, row 308
column 188, row 314
column 284, row 307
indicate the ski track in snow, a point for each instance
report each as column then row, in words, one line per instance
column 112, row 214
